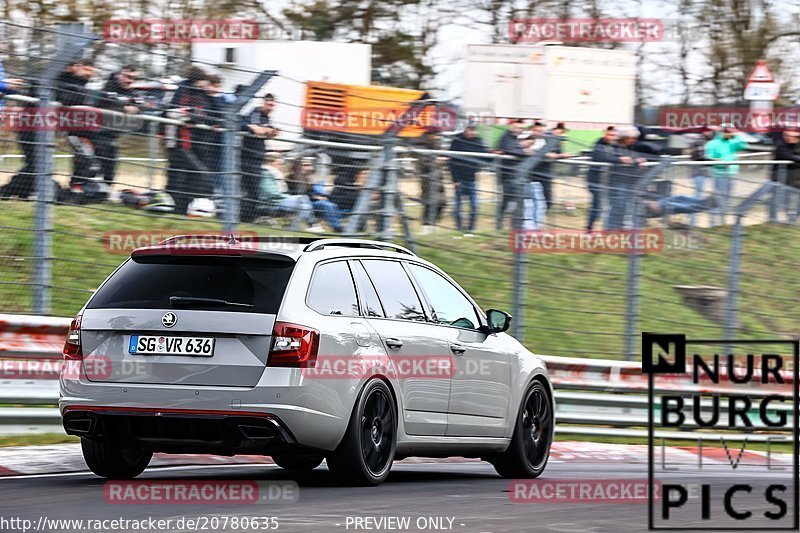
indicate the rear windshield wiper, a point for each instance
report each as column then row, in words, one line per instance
column 194, row 301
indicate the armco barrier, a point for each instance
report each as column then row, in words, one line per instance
column 594, row 397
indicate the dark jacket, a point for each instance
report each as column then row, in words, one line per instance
column 788, row 152
column 71, row 90
column 510, row 145
column 187, row 96
column 114, row 97
column 464, row 168
column 697, row 152
column 602, row 153
column 253, row 147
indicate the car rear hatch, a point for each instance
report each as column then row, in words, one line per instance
column 185, row 319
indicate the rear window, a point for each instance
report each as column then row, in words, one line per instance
column 149, row 282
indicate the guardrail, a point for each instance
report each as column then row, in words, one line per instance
column 594, row 397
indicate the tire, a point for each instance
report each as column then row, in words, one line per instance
column 526, row 456
column 112, row 460
column 298, row 462
column 366, row 453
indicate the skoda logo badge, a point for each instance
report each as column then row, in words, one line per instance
column 169, row 320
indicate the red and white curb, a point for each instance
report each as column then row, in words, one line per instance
column 61, row 458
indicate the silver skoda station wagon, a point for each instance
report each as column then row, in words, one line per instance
column 352, row 351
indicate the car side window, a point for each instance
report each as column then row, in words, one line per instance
column 332, row 291
column 449, row 305
column 370, row 303
column 395, row 290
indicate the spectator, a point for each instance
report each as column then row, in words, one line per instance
column 275, row 197
column 463, row 170
column 679, row 204
column 432, row 185
column 545, row 170
column 628, row 168
column 7, row 85
column 697, row 152
column 509, row 144
column 258, row 128
column 787, row 148
column 70, row 90
column 534, row 201
column 346, row 187
column 724, row 147
column 187, row 175
column 301, row 182
column 604, row 151
column 118, row 95
column 212, row 140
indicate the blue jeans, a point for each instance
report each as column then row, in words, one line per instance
column 596, row 209
column 723, row 190
column 699, row 188
column 535, row 207
column 682, row 204
column 619, row 189
column 329, row 212
column 469, row 190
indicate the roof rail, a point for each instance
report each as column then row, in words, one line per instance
column 357, row 243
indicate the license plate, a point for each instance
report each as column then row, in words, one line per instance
column 161, row 345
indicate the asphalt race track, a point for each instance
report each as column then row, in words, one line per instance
column 469, row 494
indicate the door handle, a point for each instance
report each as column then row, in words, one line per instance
column 393, row 343
column 457, row 349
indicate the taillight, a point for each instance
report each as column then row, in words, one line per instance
column 294, row 346
column 72, row 346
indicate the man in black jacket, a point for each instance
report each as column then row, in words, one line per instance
column 187, row 175
column 509, row 144
column 604, row 151
column 787, row 148
column 257, row 127
column 70, row 90
column 118, row 95
column 463, row 170
column 629, row 159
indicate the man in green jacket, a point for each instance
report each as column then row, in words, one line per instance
column 724, row 147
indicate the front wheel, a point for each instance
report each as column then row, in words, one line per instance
column 365, row 455
column 526, row 456
column 114, row 460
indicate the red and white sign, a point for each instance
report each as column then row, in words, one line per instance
column 760, row 73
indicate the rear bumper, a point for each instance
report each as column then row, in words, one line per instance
column 180, row 429
column 308, row 415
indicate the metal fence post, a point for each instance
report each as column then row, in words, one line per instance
column 71, row 42
column 230, row 153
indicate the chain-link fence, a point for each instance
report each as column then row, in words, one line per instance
column 701, row 247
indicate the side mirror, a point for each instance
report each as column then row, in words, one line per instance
column 499, row 321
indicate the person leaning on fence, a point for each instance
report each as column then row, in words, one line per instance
column 509, row 144
column 187, row 175
column 625, row 174
column 463, row 170
column 724, row 147
column 117, row 95
column 258, row 128
column 604, row 151
column 22, row 183
column 787, row 148
column 212, row 139
column 70, row 90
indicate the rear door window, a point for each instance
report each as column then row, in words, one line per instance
column 331, row 291
column 237, row 284
column 370, row 303
column 395, row 290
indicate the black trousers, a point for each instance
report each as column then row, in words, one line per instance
column 22, row 184
column 106, row 149
column 187, row 178
column 250, row 183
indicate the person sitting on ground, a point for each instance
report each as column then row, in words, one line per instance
column 301, row 182
column 680, row 204
column 275, row 197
